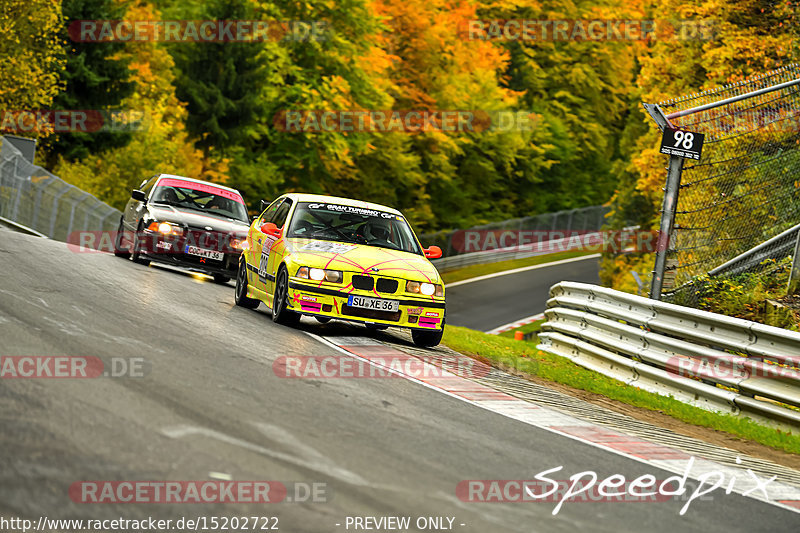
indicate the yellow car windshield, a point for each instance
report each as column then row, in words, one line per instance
column 357, row 225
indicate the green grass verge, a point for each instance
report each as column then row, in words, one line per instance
column 533, row 327
column 503, row 352
column 474, row 271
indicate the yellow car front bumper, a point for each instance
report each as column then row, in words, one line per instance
column 426, row 314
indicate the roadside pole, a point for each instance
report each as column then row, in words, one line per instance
column 667, row 222
column 678, row 145
column 668, row 207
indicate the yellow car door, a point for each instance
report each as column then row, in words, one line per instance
column 260, row 244
column 277, row 245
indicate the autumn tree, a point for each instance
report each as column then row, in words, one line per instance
column 159, row 140
column 340, row 68
column 221, row 83
column 31, row 51
column 93, row 79
column 749, row 37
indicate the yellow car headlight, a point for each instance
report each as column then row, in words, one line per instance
column 320, row 274
column 424, row 288
column 427, row 289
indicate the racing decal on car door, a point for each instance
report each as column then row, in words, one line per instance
column 263, row 265
column 327, row 246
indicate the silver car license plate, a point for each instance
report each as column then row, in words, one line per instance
column 202, row 252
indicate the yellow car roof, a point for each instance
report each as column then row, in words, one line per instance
column 321, row 198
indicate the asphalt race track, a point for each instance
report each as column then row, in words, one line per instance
column 490, row 303
column 210, row 407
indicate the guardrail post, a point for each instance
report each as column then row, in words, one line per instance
column 37, row 203
column 54, row 209
column 639, row 282
column 106, row 217
column 18, row 183
column 75, row 204
column 794, row 275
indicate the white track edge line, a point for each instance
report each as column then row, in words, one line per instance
column 521, row 269
column 518, row 323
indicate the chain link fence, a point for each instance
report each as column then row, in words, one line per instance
column 738, row 206
column 37, row 200
column 457, row 252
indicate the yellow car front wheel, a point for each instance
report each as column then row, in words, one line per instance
column 281, row 313
column 427, row 339
column 240, row 296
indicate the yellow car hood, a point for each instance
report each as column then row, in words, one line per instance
column 361, row 258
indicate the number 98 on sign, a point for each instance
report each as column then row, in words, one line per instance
column 687, row 144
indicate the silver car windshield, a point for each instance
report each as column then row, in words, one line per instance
column 357, row 225
column 205, row 202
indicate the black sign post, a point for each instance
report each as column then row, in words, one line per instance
column 681, row 143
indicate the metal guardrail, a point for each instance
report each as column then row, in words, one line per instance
column 35, row 199
column 567, row 222
column 506, row 254
column 713, row 361
column 19, row 227
column 777, row 247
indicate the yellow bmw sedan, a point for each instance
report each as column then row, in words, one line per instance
column 337, row 258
